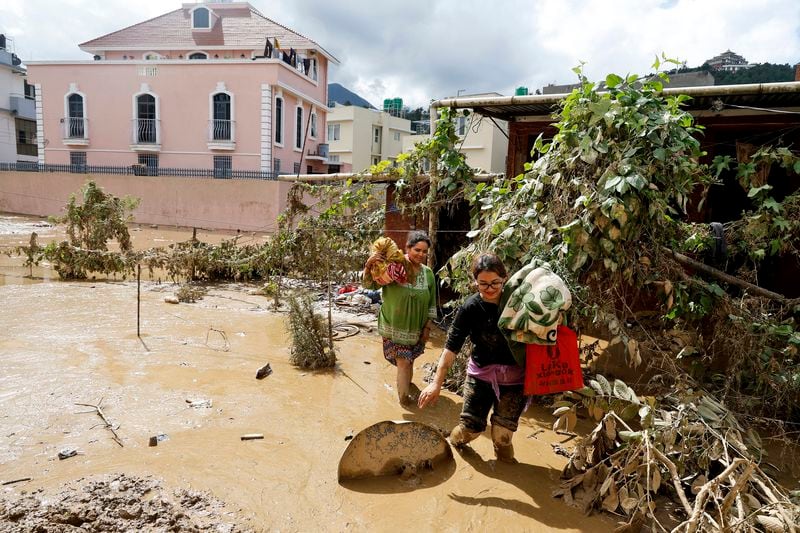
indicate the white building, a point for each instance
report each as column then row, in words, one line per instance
column 17, row 109
column 484, row 143
column 361, row 137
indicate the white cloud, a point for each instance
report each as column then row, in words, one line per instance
column 422, row 50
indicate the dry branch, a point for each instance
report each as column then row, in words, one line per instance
column 727, row 278
column 102, row 415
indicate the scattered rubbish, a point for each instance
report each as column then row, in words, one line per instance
column 66, row 453
column 264, row 371
column 367, row 362
column 198, row 404
column 349, row 436
column 394, row 448
column 155, row 439
column 12, row 481
column 349, row 287
column 252, row 436
column 560, row 450
column 171, row 300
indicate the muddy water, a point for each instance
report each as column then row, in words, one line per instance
column 68, row 343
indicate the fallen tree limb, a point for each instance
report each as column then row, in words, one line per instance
column 693, row 523
column 727, row 278
column 102, row 415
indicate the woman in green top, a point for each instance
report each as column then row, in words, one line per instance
column 406, row 313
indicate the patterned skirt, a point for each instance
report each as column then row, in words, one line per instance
column 392, row 350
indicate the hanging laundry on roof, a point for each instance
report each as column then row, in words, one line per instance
column 306, row 65
column 268, row 49
column 277, row 44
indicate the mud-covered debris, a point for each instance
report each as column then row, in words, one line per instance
column 199, row 404
column 264, row 371
column 252, row 436
column 66, row 453
column 116, row 502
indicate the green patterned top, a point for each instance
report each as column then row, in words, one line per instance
column 407, row 307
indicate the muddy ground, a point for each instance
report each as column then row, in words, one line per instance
column 189, row 380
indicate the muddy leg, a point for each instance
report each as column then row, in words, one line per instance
column 503, row 449
column 461, row 436
column 405, row 371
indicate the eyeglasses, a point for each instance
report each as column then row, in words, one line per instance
column 494, row 284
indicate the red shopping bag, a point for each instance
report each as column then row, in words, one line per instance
column 550, row 369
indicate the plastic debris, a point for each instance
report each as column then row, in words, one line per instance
column 155, row 439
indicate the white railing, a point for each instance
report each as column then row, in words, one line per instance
column 146, row 131
column 220, row 130
column 75, row 128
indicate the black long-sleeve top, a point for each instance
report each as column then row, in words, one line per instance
column 477, row 320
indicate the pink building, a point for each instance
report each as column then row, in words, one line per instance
column 214, row 85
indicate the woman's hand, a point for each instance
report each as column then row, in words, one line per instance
column 429, row 395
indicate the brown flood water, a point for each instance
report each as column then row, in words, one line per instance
column 65, row 343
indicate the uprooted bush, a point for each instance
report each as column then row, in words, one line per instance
column 311, row 347
column 686, row 446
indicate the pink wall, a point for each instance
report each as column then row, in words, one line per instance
column 247, row 205
column 183, row 90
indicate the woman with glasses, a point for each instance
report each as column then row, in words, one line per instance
column 406, row 313
column 494, row 380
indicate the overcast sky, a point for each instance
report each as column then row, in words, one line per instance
column 421, row 50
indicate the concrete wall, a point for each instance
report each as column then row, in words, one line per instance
column 247, row 205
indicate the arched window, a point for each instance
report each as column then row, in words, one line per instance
column 221, row 130
column 198, row 55
column 200, row 18
column 279, row 120
column 146, row 126
column 76, row 127
column 298, row 128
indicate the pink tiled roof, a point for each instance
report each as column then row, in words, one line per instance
column 240, row 26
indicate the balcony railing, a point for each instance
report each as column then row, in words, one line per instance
column 146, row 131
column 137, row 170
column 221, row 130
column 75, row 128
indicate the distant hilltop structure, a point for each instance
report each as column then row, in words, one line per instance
column 728, row 61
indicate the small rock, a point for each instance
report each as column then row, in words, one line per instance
column 171, row 300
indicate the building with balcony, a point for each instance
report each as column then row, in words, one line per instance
column 484, row 142
column 361, row 137
column 211, row 85
column 17, row 110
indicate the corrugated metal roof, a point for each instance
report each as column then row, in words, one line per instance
column 240, row 26
column 769, row 96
